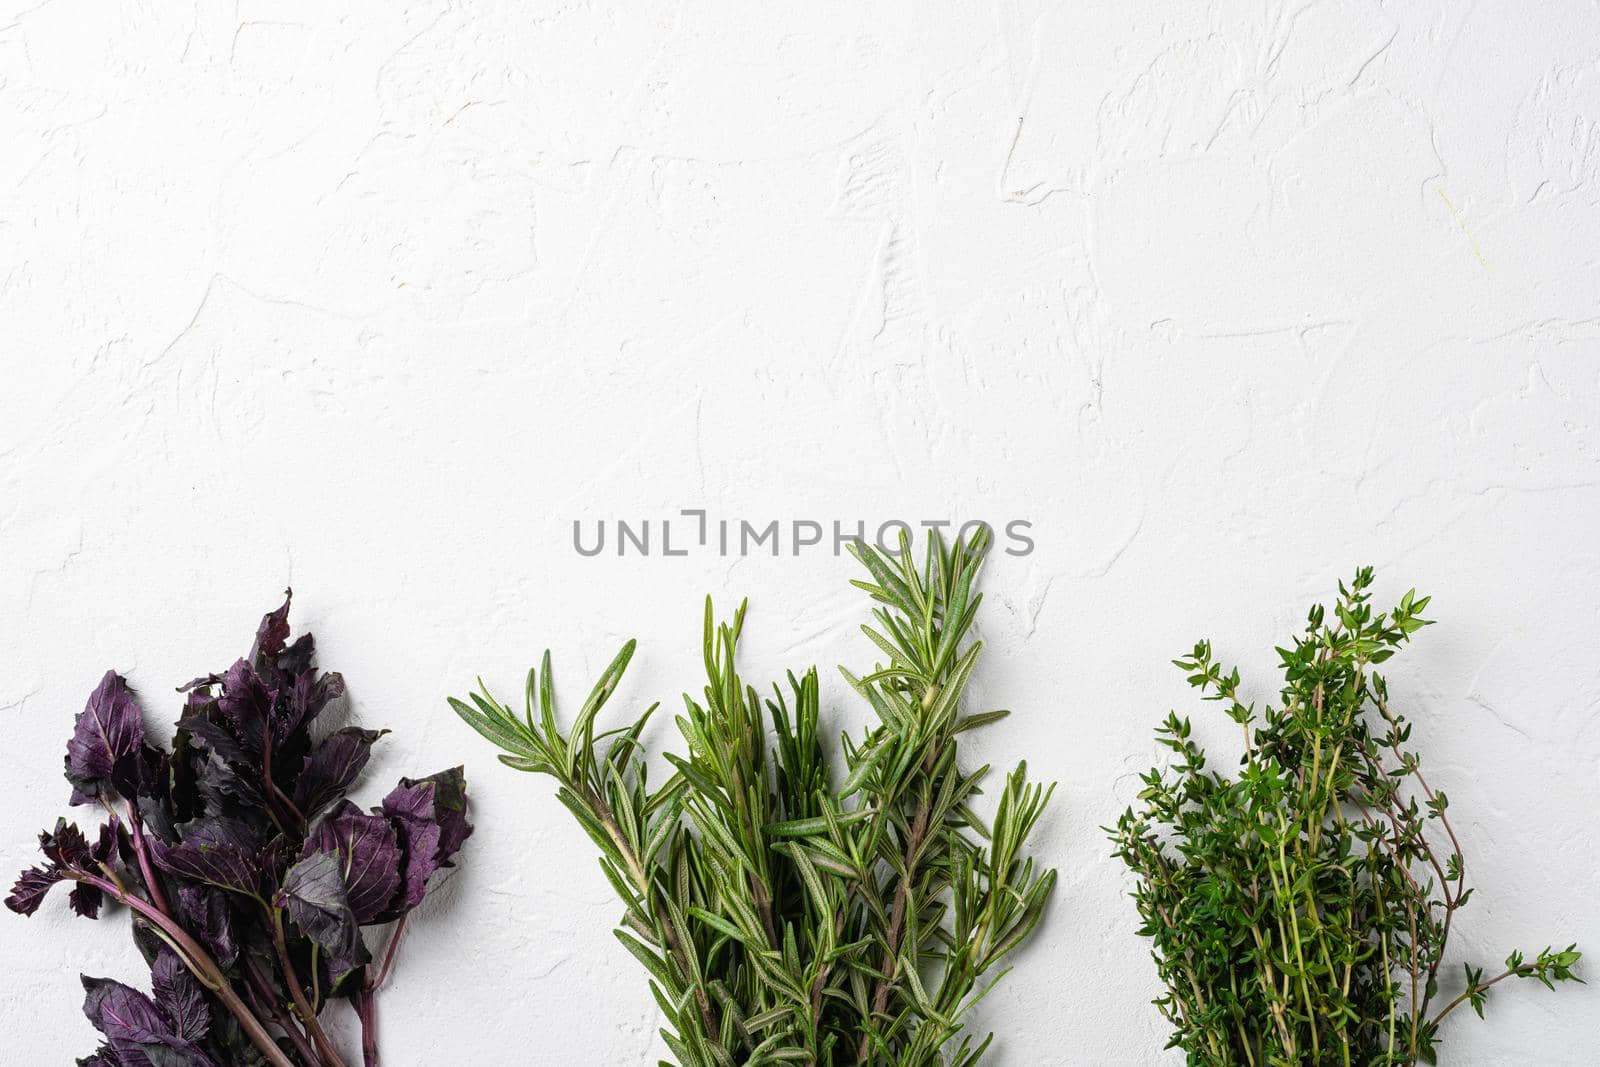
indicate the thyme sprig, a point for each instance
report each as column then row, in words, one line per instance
column 1300, row 910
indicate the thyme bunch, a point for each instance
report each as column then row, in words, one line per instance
column 786, row 914
column 1300, row 910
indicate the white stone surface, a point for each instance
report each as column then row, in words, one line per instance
column 1227, row 298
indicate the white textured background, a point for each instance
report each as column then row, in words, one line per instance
column 1226, row 297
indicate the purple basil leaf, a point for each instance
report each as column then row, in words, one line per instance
column 206, row 726
column 303, row 700
column 107, row 846
column 220, row 764
column 31, row 887
column 122, row 1013
column 219, row 852
column 272, row 633
column 182, row 800
column 205, row 912
column 439, row 798
column 157, row 816
column 178, row 995
column 332, row 767
column 233, row 1048
column 368, row 855
column 67, row 847
column 245, row 705
column 141, row 774
column 313, row 893
column 421, row 846
column 109, row 730
column 197, row 687
column 168, row 1052
column 137, row 1032
column 224, row 785
column 220, row 748
column 339, row 970
column 430, row 818
column 221, row 831
column 86, row 899
column 297, row 657
column 105, row 1056
column 68, row 851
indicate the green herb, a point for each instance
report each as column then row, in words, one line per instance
column 1300, row 911
column 785, row 915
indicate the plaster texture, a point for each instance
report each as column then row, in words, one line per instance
column 1226, row 298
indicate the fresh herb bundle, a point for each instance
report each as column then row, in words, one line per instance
column 248, row 874
column 1300, row 911
column 784, row 916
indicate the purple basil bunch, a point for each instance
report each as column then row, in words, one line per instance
column 250, row 877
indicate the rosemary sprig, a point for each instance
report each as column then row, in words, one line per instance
column 783, row 915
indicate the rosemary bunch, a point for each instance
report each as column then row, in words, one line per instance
column 782, row 913
column 1300, row 910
